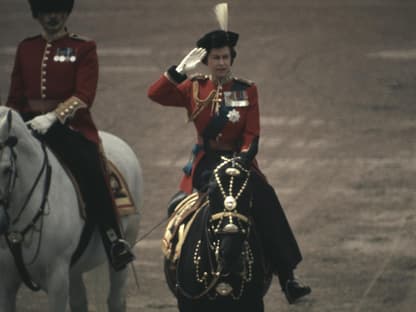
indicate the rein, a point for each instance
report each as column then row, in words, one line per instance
column 14, row 239
column 217, row 273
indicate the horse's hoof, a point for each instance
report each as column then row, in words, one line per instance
column 294, row 290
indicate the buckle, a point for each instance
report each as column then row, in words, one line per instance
column 15, row 237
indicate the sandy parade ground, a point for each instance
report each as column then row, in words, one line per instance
column 337, row 87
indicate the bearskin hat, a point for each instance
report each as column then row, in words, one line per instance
column 47, row 6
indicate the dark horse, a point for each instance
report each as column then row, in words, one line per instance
column 221, row 265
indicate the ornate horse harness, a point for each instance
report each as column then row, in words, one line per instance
column 227, row 222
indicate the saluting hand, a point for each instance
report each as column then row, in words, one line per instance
column 191, row 60
column 42, row 123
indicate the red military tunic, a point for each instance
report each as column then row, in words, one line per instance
column 198, row 97
column 61, row 76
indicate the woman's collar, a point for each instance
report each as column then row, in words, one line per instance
column 221, row 81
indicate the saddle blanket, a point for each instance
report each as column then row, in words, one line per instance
column 178, row 226
column 121, row 194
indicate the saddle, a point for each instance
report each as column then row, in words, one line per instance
column 179, row 224
column 119, row 188
column 122, row 198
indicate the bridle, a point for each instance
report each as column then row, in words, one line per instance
column 227, row 222
column 230, row 199
column 14, row 238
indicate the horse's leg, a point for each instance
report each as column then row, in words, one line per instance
column 9, row 286
column 9, row 280
column 8, row 297
column 252, row 305
column 186, row 305
column 58, row 286
column 117, row 295
column 77, row 293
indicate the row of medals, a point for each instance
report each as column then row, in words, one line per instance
column 64, row 58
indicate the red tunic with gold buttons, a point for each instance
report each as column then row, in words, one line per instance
column 59, row 75
column 200, row 96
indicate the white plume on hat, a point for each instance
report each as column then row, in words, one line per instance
column 221, row 13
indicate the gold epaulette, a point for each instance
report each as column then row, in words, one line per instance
column 199, row 77
column 78, row 37
column 68, row 108
column 245, row 81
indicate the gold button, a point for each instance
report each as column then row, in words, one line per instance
column 43, row 79
column 66, row 110
column 47, row 52
column 62, row 114
column 45, row 58
column 71, row 106
column 76, row 103
column 43, row 88
column 43, row 73
column 43, row 96
column 43, row 64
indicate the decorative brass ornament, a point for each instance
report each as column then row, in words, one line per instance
column 15, row 237
column 232, row 172
column 230, row 228
column 230, row 203
column 224, row 289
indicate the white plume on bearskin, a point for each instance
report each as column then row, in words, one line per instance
column 221, row 13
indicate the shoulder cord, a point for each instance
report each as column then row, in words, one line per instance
column 200, row 103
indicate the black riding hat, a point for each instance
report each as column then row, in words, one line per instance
column 218, row 39
column 47, row 6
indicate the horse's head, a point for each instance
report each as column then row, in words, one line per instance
column 230, row 204
column 8, row 172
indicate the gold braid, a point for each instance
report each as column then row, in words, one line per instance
column 200, row 103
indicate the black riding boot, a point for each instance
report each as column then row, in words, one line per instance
column 277, row 237
column 85, row 162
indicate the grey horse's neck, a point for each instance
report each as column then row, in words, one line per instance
column 29, row 162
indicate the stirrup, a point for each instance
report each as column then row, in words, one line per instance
column 121, row 254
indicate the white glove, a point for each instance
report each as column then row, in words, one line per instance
column 190, row 61
column 42, row 123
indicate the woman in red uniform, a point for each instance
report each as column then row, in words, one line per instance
column 225, row 112
column 53, row 86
